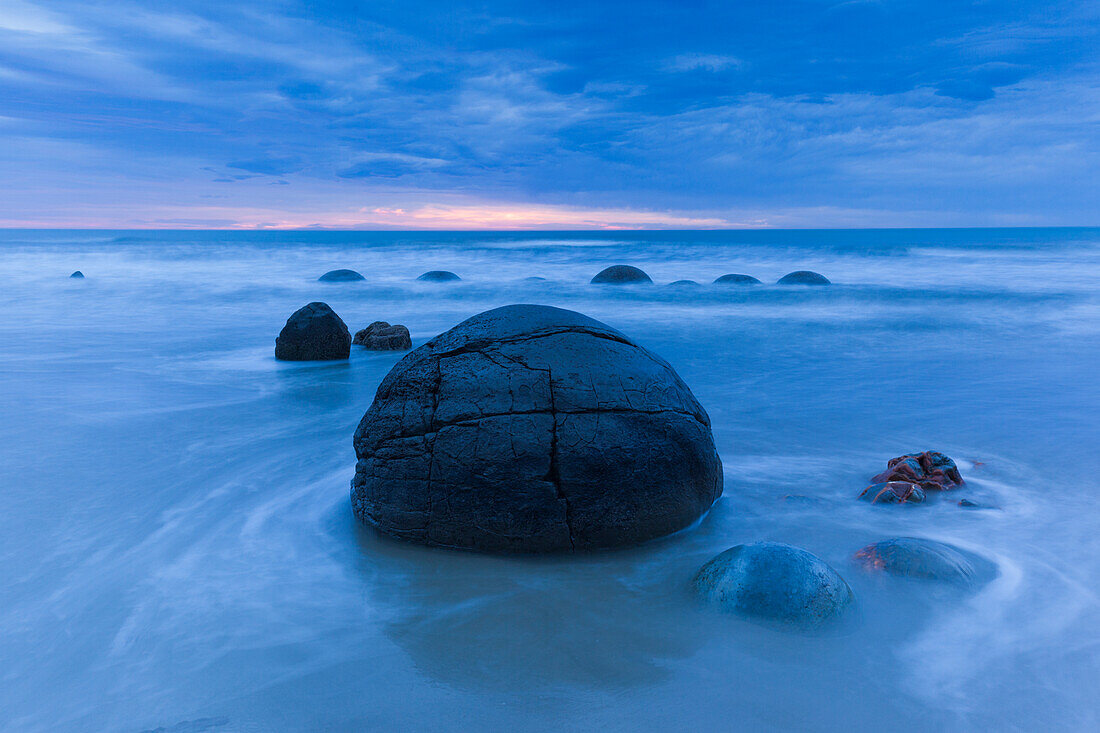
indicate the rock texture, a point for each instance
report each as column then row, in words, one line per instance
column 930, row 470
column 439, row 276
column 893, row 492
column 916, row 558
column 736, row 279
column 313, row 333
column 620, row 275
column 774, row 582
column 803, row 277
column 533, row 429
column 340, row 276
column 381, row 336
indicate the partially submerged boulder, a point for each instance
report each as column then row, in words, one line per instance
column 893, row 492
column 684, row 284
column 78, row 275
column 774, row 582
column 930, row 470
column 737, row 279
column 621, row 275
column 917, row 558
column 340, row 276
column 439, row 276
column 381, row 336
column 313, row 333
column 803, row 277
column 533, row 429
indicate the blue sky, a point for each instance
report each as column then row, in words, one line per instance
column 549, row 114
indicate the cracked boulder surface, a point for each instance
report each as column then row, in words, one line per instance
column 533, row 429
column 313, row 333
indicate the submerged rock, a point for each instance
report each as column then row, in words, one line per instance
column 684, row 284
column 620, row 275
column 916, row 558
column 439, row 276
column 804, row 277
column 736, row 279
column 533, row 429
column 775, row 582
column 381, row 336
column 893, row 492
column 340, row 276
column 78, row 275
column 534, row 279
column 313, row 333
column 932, row 471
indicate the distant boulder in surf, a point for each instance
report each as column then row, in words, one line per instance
column 620, row 275
column 78, row 275
column 737, row 279
column 534, row 279
column 917, row 558
column 893, row 492
column 803, row 277
column 381, row 336
column 438, row 276
column 528, row 428
column 684, row 284
column 340, row 276
column 774, row 582
column 313, row 333
column 930, row 470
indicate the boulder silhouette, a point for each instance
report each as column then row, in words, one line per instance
column 340, row 276
column 620, row 275
column 313, row 333
column 736, row 279
column 439, row 276
column 803, row 277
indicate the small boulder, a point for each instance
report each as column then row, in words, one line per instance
column 313, row 333
column 803, row 277
column 439, row 276
column 916, row 558
column 736, row 279
column 620, row 275
column 684, row 284
column 932, row 471
column 774, row 582
column 534, row 279
column 893, row 492
column 78, row 275
column 340, row 276
column 381, row 336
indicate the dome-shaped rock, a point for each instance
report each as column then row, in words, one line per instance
column 736, row 279
column 78, row 275
column 774, row 582
column 313, row 333
column 620, row 275
column 803, row 277
column 533, row 429
column 439, row 276
column 381, row 336
column 340, row 276
column 684, row 284
column 916, row 558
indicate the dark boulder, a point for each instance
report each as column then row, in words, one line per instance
column 684, row 284
column 439, row 276
column 916, row 558
column 381, row 336
column 735, row 279
column 534, row 279
column 774, row 582
column 932, row 471
column 893, row 492
column 803, row 277
column 533, row 429
column 620, row 275
column 78, row 275
column 313, row 333
column 340, row 276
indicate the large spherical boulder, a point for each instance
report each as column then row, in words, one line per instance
column 620, row 275
column 341, row 276
column 774, row 582
column 533, row 429
column 916, row 558
column 381, row 336
column 313, row 333
column 736, row 279
column 931, row 470
column 439, row 276
column 803, row 277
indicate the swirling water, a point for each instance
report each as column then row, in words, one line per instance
column 178, row 548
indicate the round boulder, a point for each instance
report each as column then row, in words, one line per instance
column 803, row 277
column 620, row 275
column 684, row 284
column 533, row 429
column 736, row 279
column 917, row 558
column 313, row 333
column 381, row 336
column 439, row 276
column 78, row 275
column 774, row 582
column 340, row 276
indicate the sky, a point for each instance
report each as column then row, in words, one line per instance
column 549, row 115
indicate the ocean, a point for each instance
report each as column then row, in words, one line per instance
column 178, row 550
